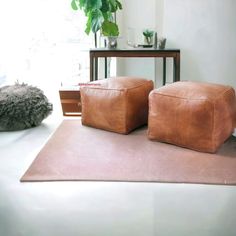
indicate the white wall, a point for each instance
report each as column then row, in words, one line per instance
column 205, row 31
column 139, row 14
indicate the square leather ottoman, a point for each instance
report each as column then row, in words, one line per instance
column 194, row 115
column 116, row 104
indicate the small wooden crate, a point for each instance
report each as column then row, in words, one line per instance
column 70, row 101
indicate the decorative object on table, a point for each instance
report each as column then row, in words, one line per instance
column 162, row 43
column 100, row 16
column 131, row 37
column 155, row 41
column 22, row 106
column 148, row 36
column 111, row 42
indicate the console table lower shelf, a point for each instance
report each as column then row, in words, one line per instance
column 70, row 102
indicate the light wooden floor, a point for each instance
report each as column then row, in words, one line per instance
column 103, row 208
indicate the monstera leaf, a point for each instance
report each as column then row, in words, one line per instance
column 95, row 21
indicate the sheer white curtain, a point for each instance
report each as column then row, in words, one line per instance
column 42, row 42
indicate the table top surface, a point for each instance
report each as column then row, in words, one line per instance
column 139, row 49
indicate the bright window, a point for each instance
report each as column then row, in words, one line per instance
column 43, row 43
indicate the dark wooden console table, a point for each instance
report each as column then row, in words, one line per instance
column 139, row 52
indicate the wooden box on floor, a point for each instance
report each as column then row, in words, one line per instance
column 70, row 102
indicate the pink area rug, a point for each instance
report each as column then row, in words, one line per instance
column 79, row 153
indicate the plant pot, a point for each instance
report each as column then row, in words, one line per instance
column 148, row 40
column 112, row 42
column 162, row 43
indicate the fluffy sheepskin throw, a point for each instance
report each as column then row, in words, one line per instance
column 22, row 106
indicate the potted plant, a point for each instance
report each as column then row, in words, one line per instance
column 148, row 36
column 100, row 15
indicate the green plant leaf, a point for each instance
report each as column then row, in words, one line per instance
column 119, row 5
column 108, row 16
column 97, row 4
column 96, row 20
column 99, row 15
column 148, row 33
column 105, row 6
column 88, row 24
column 113, row 5
column 110, row 28
column 81, row 3
column 93, row 4
column 74, row 5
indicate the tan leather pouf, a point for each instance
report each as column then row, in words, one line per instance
column 194, row 115
column 116, row 104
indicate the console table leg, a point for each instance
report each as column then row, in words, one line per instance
column 105, row 67
column 91, row 66
column 96, row 69
column 176, row 68
column 164, row 70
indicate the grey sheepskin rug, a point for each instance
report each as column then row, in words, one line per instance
column 22, row 106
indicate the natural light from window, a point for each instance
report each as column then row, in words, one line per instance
column 43, row 43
